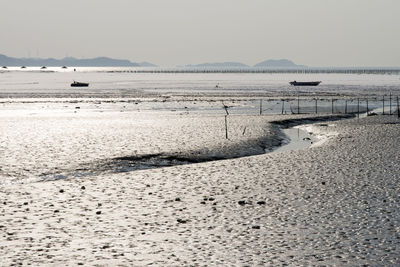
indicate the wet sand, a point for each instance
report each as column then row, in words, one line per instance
column 333, row 204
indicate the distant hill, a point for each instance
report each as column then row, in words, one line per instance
column 271, row 63
column 280, row 63
column 71, row 62
column 146, row 64
column 219, row 65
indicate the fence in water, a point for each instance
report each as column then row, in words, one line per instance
column 385, row 105
column 379, row 105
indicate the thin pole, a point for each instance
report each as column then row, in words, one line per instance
column 226, row 126
column 298, row 105
column 260, row 106
column 383, row 104
column 358, row 108
column 367, row 108
column 390, row 103
column 283, row 105
column 398, row 110
column 226, row 119
column 332, row 105
column 345, row 107
column 316, row 106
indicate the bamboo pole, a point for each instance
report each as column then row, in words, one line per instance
column 358, row 108
column 283, row 105
column 383, row 105
column 260, row 106
column 367, row 108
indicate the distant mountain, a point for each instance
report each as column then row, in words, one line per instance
column 71, row 62
column 219, row 65
column 147, row 64
column 280, row 63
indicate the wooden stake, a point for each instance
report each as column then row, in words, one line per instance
column 383, row 104
column 226, row 119
column 226, row 126
column 390, row 103
column 260, row 106
column 316, row 106
column 345, row 107
column 358, row 108
column 298, row 105
column 367, row 107
column 283, row 105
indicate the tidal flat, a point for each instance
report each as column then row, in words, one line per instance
column 65, row 199
column 144, row 169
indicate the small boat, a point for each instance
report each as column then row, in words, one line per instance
column 4, row 67
column 79, row 84
column 64, row 67
column 44, row 67
column 295, row 83
column 23, row 67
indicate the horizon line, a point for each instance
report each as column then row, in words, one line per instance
column 245, row 66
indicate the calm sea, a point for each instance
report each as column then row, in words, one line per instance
column 125, row 82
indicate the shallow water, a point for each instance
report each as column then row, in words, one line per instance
column 296, row 139
column 56, row 82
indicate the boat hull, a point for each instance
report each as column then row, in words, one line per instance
column 294, row 83
column 78, row 84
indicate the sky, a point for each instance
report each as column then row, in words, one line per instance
column 319, row 33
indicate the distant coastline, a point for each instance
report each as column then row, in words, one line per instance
column 270, row 63
column 111, row 62
column 71, row 62
column 123, row 65
column 271, row 70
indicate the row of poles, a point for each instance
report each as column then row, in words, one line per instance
column 316, row 108
column 346, row 109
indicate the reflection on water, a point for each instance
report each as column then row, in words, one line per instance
column 296, row 139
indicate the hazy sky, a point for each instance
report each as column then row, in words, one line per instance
column 178, row 32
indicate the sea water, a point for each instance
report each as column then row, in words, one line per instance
column 125, row 82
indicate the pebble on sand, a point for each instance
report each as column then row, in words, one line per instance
column 242, row 202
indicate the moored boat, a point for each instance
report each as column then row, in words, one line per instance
column 296, row 83
column 79, row 84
